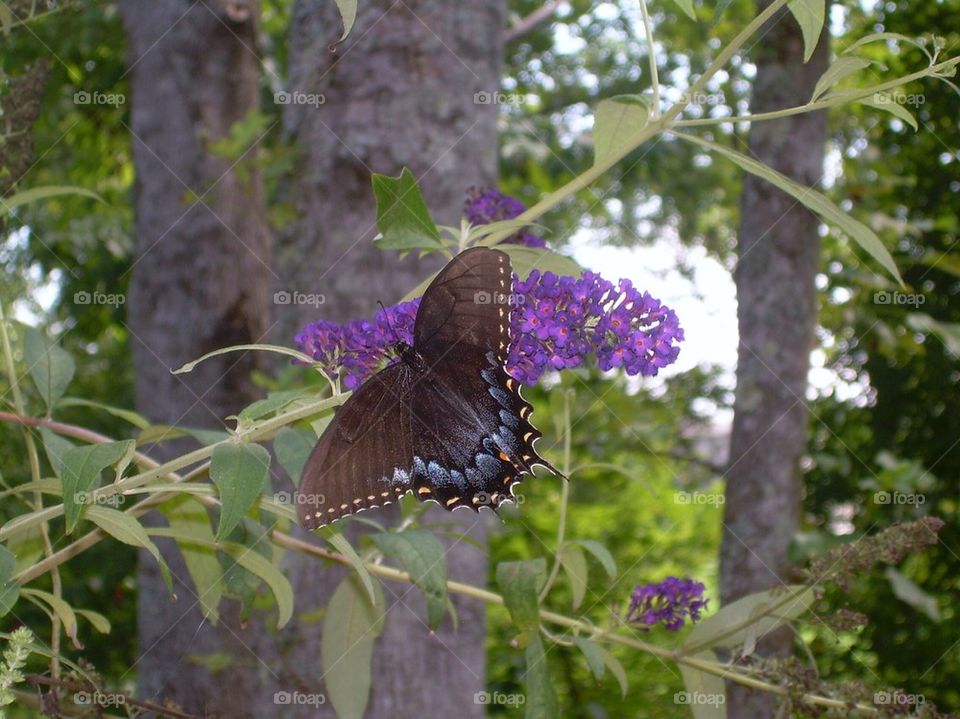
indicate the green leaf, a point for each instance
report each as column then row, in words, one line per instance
column 128, row 415
column 51, row 367
column 41, row 193
column 885, row 101
column 162, row 433
column 9, row 590
column 125, row 528
column 616, row 668
column 264, row 407
column 278, row 349
column 402, row 215
column 810, row 14
column 239, row 471
column 883, row 37
column 60, row 607
column 574, row 564
column 340, row 543
column 348, row 13
column 55, row 447
column 687, row 7
column 907, row 591
column 839, row 69
column 616, row 120
column 423, row 557
column 520, row 583
column 256, row 563
column 99, row 622
column 593, row 654
column 541, row 697
column 196, row 541
column 755, row 615
column 810, row 198
column 705, row 692
column 601, row 554
column 352, row 622
column 292, row 447
column 81, row 468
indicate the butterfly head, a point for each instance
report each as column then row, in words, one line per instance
column 409, row 356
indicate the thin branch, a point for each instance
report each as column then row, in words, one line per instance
column 532, row 21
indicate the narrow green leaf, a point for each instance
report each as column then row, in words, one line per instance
column 256, row 563
column 402, row 215
column 704, row 693
column 128, row 415
column 340, row 543
column 9, row 590
column 41, row 193
column 292, row 447
column 163, row 433
column 616, row 120
column 352, row 623
column 81, row 468
column 541, row 697
column 50, row 366
column 616, row 668
column 885, row 101
column 55, row 446
column 239, row 471
column 520, row 583
column 99, row 622
column 278, row 349
column 687, row 7
column 125, row 528
column 906, row 590
column 593, row 654
column 273, row 402
column 423, row 557
column 601, row 554
column 810, row 15
column 196, row 542
column 61, row 608
column 839, row 69
column 574, row 564
column 810, row 198
column 348, row 13
column 882, row 37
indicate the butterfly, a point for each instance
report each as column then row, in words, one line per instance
column 445, row 422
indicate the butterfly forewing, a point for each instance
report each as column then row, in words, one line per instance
column 448, row 423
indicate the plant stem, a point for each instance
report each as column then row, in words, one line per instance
column 652, row 57
column 564, row 499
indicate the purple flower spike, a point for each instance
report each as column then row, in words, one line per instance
column 670, row 602
column 485, row 205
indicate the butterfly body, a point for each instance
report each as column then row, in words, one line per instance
column 445, row 422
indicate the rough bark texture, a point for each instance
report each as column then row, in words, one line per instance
column 778, row 258
column 399, row 92
column 200, row 281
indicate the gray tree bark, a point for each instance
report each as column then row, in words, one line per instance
column 778, row 254
column 200, row 281
column 399, row 92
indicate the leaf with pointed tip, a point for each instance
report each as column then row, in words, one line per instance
column 616, row 120
column 616, row 668
column 9, row 590
column 423, row 557
column 810, row 15
column 601, row 554
column 125, row 528
column 593, row 654
column 239, row 470
column 402, row 215
column 292, row 447
column 50, row 366
column 574, row 564
column 80, row 471
column 520, row 583
column 348, row 13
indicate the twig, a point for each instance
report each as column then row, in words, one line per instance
column 532, row 21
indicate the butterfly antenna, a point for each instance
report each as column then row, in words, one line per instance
column 386, row 314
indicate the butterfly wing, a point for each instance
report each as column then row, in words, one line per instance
column 365, row 455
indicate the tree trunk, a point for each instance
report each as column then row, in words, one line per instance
column 200, row 281
column 399, row 92
column 778, row 257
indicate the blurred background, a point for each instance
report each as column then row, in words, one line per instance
column 232, row 145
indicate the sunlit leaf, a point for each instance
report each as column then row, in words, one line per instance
column 810, row 14
column 616, row 120
column 50, row 366
column 402, row 215
column 239, row 470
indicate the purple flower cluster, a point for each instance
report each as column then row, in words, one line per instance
column 558, row 321
column 486, row 205
column 669, row 602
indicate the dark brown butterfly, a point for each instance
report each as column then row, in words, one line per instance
column 445, row 422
